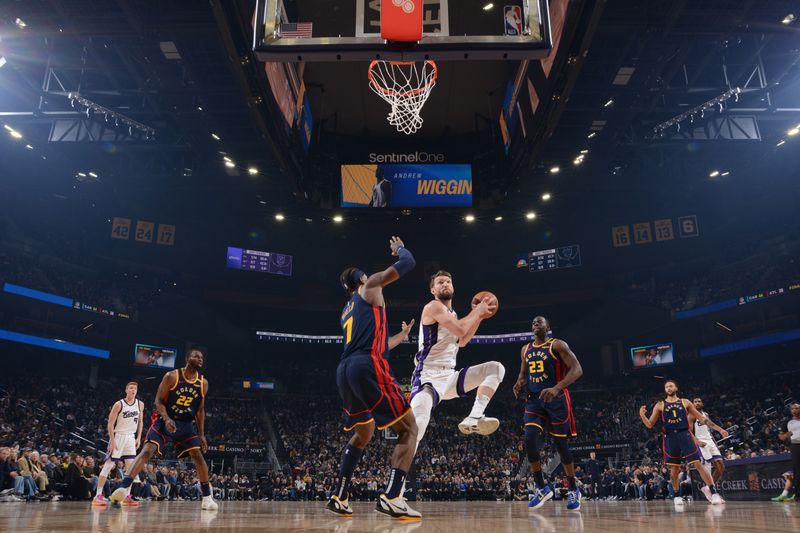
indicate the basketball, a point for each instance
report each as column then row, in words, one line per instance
column 492, row 301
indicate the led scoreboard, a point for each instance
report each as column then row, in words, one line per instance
column 258, row 261
column 552, row 259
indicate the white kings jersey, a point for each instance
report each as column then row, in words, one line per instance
column 128, row 418
column 701, row 430
column 437, row 345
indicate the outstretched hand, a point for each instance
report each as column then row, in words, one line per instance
column 395, row 243
column 406, row 328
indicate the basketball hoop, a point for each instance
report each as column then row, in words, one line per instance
column 406, row 86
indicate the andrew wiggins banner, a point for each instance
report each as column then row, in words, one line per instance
column 407, row 185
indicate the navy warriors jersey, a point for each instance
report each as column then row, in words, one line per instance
column 184, row 398
column 674, row 416
column 545, row 368
column 364, row 328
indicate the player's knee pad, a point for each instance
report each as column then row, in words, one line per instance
column 107, row 468
column 563, row 450
column 495, row 374
column 532, row 435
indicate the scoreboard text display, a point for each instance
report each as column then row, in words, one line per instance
column 258, row 261
column 552, row 259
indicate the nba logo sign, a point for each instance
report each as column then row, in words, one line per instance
column 513, row 18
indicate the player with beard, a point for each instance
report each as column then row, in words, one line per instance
column 679, row 444
column 441, row 334
column 180, row 417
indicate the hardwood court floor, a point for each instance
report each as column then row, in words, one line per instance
column 487, row 517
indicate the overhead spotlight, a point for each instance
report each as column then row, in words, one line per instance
column 584, row 152
column 781, row 142
column 130, row 131
column 555, row 170
column 308, row 219
column 2, row 61
column 230, row 164
column 82, row 174
column 714, row 174
column 788, row 19
column 106, row 117
column 252, row 171
column 226, row 158
column 498, row 218
column 8, row 128
column 20, row 24
column 16, row 134
column 470, row 218
column 116, row 122
column 29, row 147
column 591, row 135
column 546, row 196
column 609, row 103
column 577, row 161
column 262, row 202
column 199, row 108
column 215, row 136
column 488, row 6
column 338, row 219
column 725, row 173
column 794, row 131
column 279, row 217
column 530, row 215
column 92, row 174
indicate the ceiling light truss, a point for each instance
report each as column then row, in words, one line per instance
column 118, row 119
column 715, row 104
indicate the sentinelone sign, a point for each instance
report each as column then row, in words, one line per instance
column 413, row 157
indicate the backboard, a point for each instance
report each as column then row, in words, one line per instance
column 350, row 30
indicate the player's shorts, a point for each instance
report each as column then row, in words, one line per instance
column 680, row 447
column 445, row 383
column 555, row 417
column 124, row 447
column 184, row 439
column 369, row 392
column 710, row 451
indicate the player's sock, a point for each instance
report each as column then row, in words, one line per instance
column 538, row 477
column 481, row 401
column 571, row 481
column 713, row 488
column 395, row 484
column 785, row 493
column 350, row 457
column 205, row 488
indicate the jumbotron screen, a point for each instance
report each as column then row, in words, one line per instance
column 154, row 356
column 406, row 185
column 652, row 356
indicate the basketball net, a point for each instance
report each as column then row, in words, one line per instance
column 405, row 86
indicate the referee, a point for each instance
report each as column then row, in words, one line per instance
column 791, row 434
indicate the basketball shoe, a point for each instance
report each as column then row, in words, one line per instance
column 482, row 426
column 397, row 508
column 340, row 507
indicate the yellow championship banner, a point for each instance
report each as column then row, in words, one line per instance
column 144, row 231
column 166, row 235
column 664, row 229
column 120, row 228
column 642, row 233
column 621, row 236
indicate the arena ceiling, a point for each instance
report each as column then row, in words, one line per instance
column 183, row 68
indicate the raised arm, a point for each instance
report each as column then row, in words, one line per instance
column 575, row 371
column 651, row 422
column 523, row 373
column 169, row 380
column 697, row 415
column 404, row 264
column 398, row 338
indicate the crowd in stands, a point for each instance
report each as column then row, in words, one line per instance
column 53, row 441
column 678, row 290
column 450, row 465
